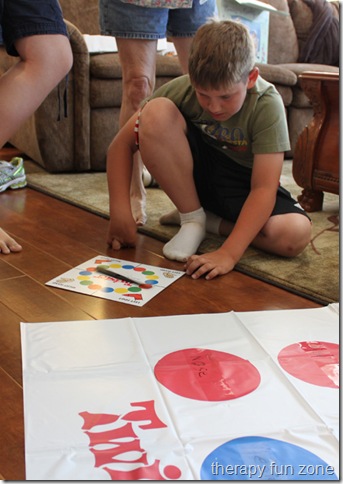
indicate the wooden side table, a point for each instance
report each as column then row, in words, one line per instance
column 316, row 155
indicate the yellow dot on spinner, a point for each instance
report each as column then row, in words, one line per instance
column 83, row 278
column 152, row 278
column 115, row 266
column 121, row 290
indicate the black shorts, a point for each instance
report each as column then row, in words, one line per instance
column 24, row 18
column 223, row 185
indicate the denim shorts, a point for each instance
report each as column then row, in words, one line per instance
column 23, row 18
column 130, row 21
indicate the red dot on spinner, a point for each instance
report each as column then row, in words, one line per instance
column 145, row 286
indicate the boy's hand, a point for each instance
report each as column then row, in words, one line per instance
column 122, row 233
column 212, row 264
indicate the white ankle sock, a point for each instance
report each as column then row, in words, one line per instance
column 212, row 220
column 186, row 242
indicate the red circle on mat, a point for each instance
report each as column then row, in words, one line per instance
column 204, row 374
column 315, row 362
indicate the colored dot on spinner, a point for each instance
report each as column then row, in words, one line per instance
column 139, row 269
column 120, row 290
column 127, row 266
column 148, row 273
column 83, row 278
column 145, row 286
column 114, row 266
column 107, row 289
column 151, row 282
column 91, row 269
column 94, row 287
column 152, row 278
column 134, row 289
column 85, row 273
column 86, row 282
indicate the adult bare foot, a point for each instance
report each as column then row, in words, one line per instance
column 7, row 244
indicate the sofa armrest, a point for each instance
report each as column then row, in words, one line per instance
column 79, row 108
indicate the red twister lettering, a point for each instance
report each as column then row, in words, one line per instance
column 121, row 445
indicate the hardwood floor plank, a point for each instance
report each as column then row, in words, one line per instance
column 10, row 347
column 7, row 270
column 34, row 303
column 12, row 460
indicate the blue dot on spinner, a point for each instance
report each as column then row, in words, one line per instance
column 151, row 282
column 128, row 267
column 85, row 273
column 107, row 289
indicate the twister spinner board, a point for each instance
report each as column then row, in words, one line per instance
column 86, row 279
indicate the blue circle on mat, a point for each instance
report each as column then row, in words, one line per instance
column 128, row 267
column 85, row 273
column 260, row 458
column 151, row 282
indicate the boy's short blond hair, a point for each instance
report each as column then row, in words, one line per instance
column 222, row 54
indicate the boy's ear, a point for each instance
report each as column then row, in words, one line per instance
column 252, row 78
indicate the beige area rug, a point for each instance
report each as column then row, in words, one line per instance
column 314, row 274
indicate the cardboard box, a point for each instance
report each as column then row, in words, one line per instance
column 255, row 15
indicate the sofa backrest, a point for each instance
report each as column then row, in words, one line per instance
column 84, row 14
column 283, row 45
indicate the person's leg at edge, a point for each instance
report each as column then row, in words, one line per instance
column 183, row 47
column 166, row 153
column 44, row 61
column 138, row 61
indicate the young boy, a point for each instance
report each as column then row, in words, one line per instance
column 215, row 143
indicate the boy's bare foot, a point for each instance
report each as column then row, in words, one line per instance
column 7, row 244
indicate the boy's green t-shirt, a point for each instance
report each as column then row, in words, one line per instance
column 259, row 127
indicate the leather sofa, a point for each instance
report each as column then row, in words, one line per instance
column 74, row 136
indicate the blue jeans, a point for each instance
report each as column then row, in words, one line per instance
column 130, row 21
column 23, row 18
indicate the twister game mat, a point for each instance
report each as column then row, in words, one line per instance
column 227, row 396
column 85, row 279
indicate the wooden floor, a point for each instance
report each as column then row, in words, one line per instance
column 55, row 237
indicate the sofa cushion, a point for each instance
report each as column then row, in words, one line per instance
column 277, row 74
column 88, row 22
column 302, row 19
column 283, row 44
column 107, row 66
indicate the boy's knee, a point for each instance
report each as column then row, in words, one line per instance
column 160, row 116
column 291, row 239
column 302, row 236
